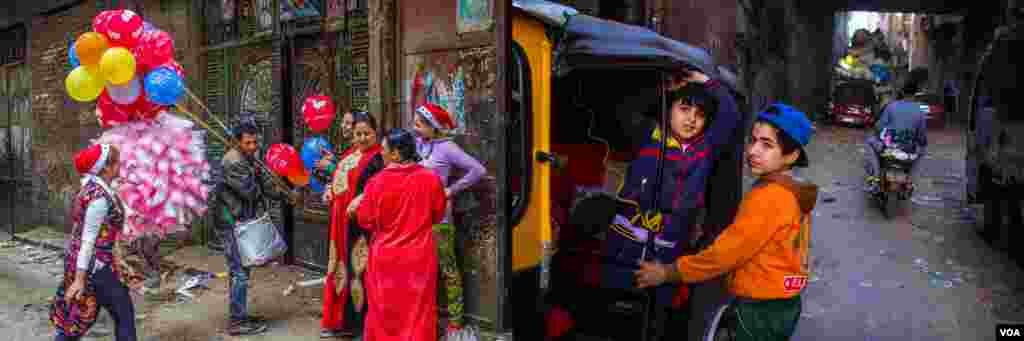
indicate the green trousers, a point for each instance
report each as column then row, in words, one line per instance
column 451, row 276
column 771, row 320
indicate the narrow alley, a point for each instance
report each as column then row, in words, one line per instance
column 921, row 275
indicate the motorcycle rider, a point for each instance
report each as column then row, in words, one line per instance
column 903, row 115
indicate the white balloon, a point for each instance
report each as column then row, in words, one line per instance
column 125, row 94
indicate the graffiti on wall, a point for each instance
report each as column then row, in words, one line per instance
column 463, row 82
column 447, row 90
column 335, row 9
column 295, row 9
column 474, row 15
column 227, row 8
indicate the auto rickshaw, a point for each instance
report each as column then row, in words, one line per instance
column 854, row 103
column 576, row 81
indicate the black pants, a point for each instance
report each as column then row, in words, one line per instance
column 113, row 296
column 705, row 299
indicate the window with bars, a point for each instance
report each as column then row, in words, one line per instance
column 15, row 104
column 13, row 45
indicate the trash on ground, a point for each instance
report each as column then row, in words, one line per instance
column 195, row 279
column 867, row 284
column 304, row 284
column 829, row 199
column 891, row 284
column 921, row 234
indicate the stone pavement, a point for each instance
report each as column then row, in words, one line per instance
column 922, row 274
column 29, row 275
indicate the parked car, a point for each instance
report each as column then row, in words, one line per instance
column 854, row 103
column 934, row 107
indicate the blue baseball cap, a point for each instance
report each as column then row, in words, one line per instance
column 793, row 123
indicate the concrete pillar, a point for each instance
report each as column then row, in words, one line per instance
column 840, row 42
column 808, row 65
column 919, row 52
column 382, row 62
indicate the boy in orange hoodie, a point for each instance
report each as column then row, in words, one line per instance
column 766, row 247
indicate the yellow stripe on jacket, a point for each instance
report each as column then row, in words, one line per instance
column 765, row 247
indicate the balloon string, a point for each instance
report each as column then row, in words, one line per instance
column 227, row 141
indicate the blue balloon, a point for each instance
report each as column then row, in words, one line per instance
column 72, row 56
column 314, row 149
column 163, row 86
column 315, row 186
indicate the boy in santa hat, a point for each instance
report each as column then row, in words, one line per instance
column 93, row 274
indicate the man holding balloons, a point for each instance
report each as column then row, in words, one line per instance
column 243, row 197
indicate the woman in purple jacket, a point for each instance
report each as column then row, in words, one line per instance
column 440, row 154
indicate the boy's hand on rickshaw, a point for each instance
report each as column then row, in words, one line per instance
column 687, row 76
column 697, row 77
column 328, row 195
column 652, row 274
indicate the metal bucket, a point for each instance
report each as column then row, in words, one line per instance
column 259, row 241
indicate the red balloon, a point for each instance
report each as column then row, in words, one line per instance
column 154, row 48
column 101, row 23
column 283, row 159
column 319, row 112
column 124, row 28
column 173, row 65
column 110, row 113
column 143, row 109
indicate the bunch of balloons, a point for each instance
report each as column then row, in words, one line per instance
column 128, row 65
column 284, row 161
column 319, row 112
column 163, row 168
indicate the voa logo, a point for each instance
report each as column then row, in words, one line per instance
column 1009, row 331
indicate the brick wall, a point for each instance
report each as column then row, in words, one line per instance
column 61, row 125
column 707, row 24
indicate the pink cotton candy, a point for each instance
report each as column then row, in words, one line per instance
column 191, row 203
column 177, row 198
column 163, row 166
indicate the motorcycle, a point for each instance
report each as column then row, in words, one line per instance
column 899, row 153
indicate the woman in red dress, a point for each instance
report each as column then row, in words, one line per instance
column 344, row 298
column 399, row 208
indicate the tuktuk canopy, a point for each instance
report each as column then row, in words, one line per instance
column 594, row 43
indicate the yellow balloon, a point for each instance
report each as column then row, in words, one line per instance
column 117, row 66
column 93, row 70
column 83, row 86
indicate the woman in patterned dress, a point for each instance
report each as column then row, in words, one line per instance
column 344, row 298
column 93, row 272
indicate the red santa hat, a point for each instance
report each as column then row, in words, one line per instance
column 92, row 159
column 437, row 117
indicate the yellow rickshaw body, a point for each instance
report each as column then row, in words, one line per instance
column 533, row 232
